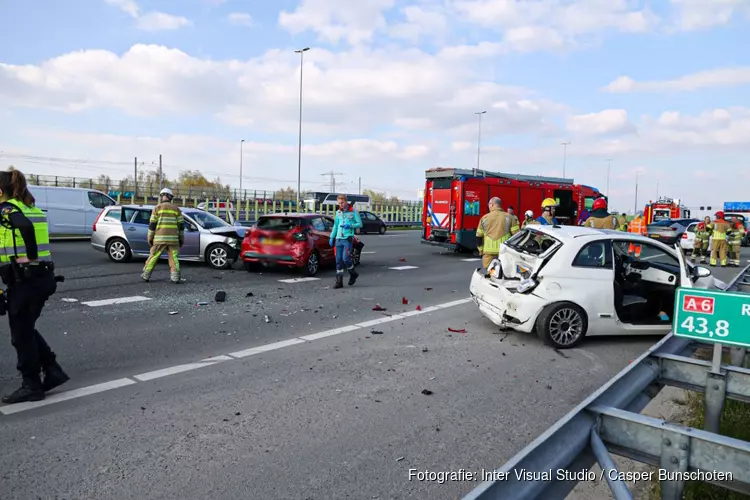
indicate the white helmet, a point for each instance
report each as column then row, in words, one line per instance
column 529, row 213
column 166, row 191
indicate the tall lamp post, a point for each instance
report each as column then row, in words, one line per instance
column 479, row 138
column 565, row 154
column 635, row 206
column 301, row 53
column 241, row 193
column 609, row 166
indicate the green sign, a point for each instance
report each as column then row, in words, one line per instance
column 712, row 316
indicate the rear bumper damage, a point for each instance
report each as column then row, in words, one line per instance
column 498, row 302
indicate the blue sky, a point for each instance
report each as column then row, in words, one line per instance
column 390, row 89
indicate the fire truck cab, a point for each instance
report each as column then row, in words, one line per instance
column 665, row 208
column 456, row 199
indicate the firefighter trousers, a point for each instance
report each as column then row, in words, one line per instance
column 700, row 251
column 719, row 250
column 487, row 259
column 157, row 251
column 734, row 254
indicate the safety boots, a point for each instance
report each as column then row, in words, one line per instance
column 339, row 281
column 30, row 390
column 353, row 275
column 54, row 376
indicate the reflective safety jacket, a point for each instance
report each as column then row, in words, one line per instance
column 721, row 229
column 735, row 237
column 11, row 241
column 495, row 228
column 622, row 224
column 637, row 226
column 601, row 219
column 703, row 233
column 528, row 222
column 166, row 226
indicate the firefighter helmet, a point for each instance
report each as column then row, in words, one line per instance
column 529, row 214
column 701, row 226
column 166, row 192
column 719, row 214
column 599, row 203
column 549, row 202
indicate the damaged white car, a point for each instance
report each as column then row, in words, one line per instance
column 566, row 282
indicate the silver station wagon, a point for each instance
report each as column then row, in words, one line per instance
column 122, row 233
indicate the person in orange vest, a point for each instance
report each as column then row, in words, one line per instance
column 721, row 228
column 637, row 226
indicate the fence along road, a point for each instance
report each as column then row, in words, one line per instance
column 609, row 421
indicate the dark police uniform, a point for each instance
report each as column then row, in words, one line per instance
column 24, row 232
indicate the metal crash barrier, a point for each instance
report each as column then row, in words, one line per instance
column 609, row 421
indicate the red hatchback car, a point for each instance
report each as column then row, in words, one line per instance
column 294, row 240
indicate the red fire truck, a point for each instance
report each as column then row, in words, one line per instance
column 665, row 208
column 456, row 199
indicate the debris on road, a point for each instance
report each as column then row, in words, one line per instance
column 250, row 294
column 427, row 392
column 402, row 259
column 378, row 307
column 560, row 353
column 174, row 312
column 425, row 350
column 404, row 300
column 428, row 289
column 202, row 303
column 375, row 332
column 432, row 378
column 266, row 318
column 400, row 459
column 221, row 296
column 419, row 308
column 457, row 330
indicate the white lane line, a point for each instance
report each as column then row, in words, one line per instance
column 144, row 377
column 363, row 253
column 403, row 268
column 69, row 300
column 471, row 260
column 119, row 300
column 329, row 333
column 266, row 348
column 66, row 396
column 123, row 382
column 299, row 280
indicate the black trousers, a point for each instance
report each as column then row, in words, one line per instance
column 26, row 301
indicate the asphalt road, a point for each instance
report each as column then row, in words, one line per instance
column 322, row 417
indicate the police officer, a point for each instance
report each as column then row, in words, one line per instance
column 26, row 268
column 600, row 218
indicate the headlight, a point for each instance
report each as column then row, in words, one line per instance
column 526, row 285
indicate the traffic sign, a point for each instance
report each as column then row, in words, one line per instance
column 713, row 316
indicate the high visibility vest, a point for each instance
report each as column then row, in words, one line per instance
column 735, row 237
column 637, row 226
column 491, row 245
column 721, row 228
column 609, row 222
column 16, row 247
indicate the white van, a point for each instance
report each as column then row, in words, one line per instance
column 70, row 211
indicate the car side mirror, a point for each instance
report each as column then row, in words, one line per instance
column 701, row 272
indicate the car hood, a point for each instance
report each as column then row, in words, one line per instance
column 231, row 231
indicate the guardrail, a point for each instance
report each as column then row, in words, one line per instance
column 609, row 421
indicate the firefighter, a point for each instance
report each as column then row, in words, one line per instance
column 734, row 242
column 548, row 213
column 700, row 245
column 166, row 233
column 600, row 218
column 494, row 228
column 516, row 222
column 622, row 223
column 529, row 219
column 26, row 267
column 720, row 232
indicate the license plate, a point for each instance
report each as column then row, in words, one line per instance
column 271, row 242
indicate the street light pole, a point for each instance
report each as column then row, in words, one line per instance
column 241, row 193
column 301, row 53
column 635, row 207
column 609, row 165
column 479, row 138
column 565, row 155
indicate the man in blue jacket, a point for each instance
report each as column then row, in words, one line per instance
column 342, row 239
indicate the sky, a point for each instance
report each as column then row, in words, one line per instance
column 390, row 88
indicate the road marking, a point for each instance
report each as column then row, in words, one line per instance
column 143, row 377
column 265, row 348
column 329, row 333
column 66, row 396
column 403, row 268
column 363, row 253
column 299, row 280
column 69, row 300
column 111, row 302
column 472, row 260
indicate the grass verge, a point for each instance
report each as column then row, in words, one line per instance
column 735, row 422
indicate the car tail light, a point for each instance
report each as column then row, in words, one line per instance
column 684, row 236
column 93, row 227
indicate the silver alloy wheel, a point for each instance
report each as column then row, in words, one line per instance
column 218, row 256
column 117, row 250
column 312, row 264
column 566, row 326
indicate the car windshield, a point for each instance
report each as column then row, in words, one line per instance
column 277, row 223
column 662, row 223
column 207, row 221
column 532, row 242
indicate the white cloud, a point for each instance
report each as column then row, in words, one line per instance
column 151, row 21
column 420, row 23
column 609, row 121
column 722, row 77
column 240, row 19
column 336, row 20
column 159, row 21
column 693, row 15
